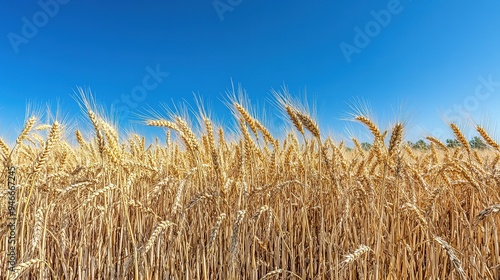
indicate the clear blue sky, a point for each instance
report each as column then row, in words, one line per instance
column 428, row 55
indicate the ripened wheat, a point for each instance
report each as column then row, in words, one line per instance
column 247, row 201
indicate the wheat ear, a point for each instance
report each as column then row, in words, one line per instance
column 215, row 231
column 246, row 116
column 27, row 128
column 396, row 137
column 451, row 255
column 162, row 123
column 19, row 269
column 97, row 193
column 309, row 124
column 157, row 231
column 37, row 228
column 371, row 126
column 437, row 142
column 349, row 258
column 4, row 148
column 486, row 212
column 295, row 120
column 234, row 236
column 49, row 145
column 487, row 138
column 460, row 137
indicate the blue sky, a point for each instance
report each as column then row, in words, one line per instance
column 437, row 58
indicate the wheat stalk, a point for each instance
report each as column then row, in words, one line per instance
column 234, row 236
column 349, row 258
column 493, row 209
column 215, row 231
column 157, row 231
column 19, row 269
column 37, row 233
column 451, row 255
column 98, row 193
column 178, row 196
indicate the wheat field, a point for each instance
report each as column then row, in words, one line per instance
column 201, row 204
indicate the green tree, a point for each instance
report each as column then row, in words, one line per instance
column 366, row 146
column 452, row 143
column 477, row 143
column 421, row 145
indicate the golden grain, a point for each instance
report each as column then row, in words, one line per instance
column 236, row 207
column 27, row 127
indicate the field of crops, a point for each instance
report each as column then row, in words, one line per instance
column 207, row 203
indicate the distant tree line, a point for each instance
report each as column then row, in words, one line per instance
column 475, row 143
